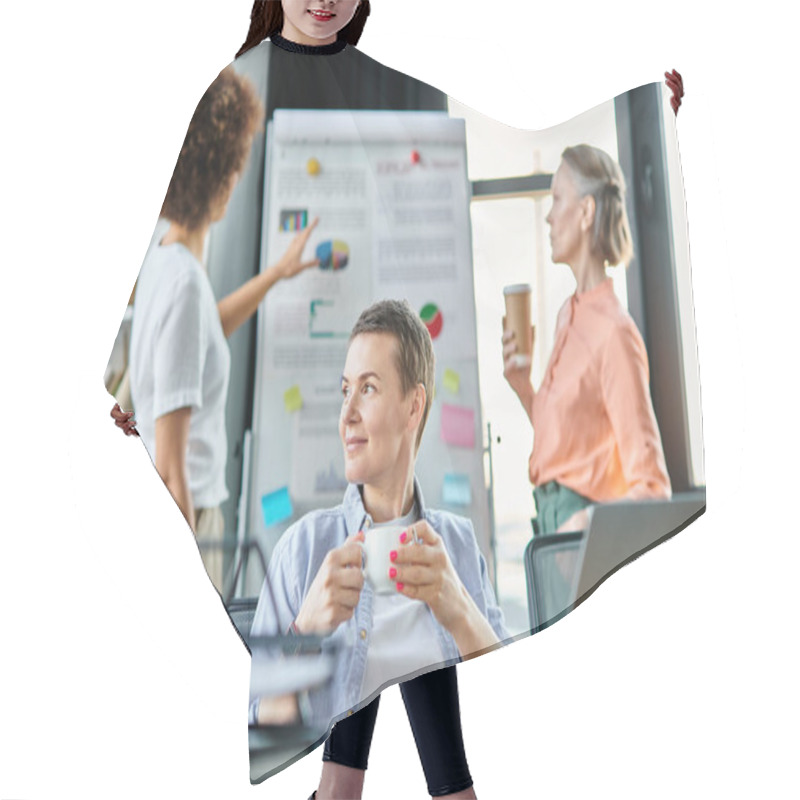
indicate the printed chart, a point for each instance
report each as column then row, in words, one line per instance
column 433, row 319
column 333, row 254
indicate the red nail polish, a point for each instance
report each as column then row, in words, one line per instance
column 399, row 587
column 392, row 573
column 403, row 537
column 393, row 555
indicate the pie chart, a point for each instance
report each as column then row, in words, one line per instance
column 432, row 317
column 333, row 254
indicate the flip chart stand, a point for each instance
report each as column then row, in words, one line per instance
column 490, row 491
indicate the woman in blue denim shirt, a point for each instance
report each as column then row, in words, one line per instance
column 443, row 608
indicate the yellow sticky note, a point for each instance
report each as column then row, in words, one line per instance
column 451, row 381
column 292, row 399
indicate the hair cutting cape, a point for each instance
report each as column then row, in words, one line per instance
column 421, row 198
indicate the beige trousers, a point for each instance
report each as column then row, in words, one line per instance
column 210, row 529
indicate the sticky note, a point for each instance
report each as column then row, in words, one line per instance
column 292, row 399
column 458, row 425
column 451, row 380
column 456, row 489
column 277, row 506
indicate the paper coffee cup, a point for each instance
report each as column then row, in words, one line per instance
column 378, row 544
column 518, row 318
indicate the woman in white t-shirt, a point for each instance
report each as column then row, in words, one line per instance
column 179, row 356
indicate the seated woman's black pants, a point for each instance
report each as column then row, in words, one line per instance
column 431, row 702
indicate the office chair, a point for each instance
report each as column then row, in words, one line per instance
column 550, row 563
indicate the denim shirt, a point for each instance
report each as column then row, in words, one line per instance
column 298, row 557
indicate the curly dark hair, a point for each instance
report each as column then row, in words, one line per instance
column 416, row 361
column 216, row 147
column 266, row 19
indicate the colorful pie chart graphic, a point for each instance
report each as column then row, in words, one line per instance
column 432, row 317
column 333, row 254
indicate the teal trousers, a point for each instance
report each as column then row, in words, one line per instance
column 555, row 504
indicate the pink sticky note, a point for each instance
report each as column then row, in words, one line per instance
column 458, row 425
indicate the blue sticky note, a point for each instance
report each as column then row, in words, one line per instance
column 277, row 506
column 456, row 490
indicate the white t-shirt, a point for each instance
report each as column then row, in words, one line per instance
column 179, row 357
column 404, row 638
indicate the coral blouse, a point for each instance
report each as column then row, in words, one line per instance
column 595, row 431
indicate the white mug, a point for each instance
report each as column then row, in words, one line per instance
column 378, row 544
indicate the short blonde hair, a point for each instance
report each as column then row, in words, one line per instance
column 415, row 359
column 598, row 175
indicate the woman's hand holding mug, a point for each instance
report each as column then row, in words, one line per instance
column 335, row 590
column 423, row 571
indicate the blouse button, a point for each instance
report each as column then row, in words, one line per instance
column 350, row 713
column 362, row 633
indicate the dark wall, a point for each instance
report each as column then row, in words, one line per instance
column 652, row 284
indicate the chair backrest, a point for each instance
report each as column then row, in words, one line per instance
column 550, row 563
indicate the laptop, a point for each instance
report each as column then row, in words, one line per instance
column 620, row 532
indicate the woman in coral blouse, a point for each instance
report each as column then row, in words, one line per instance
column 596, row 438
